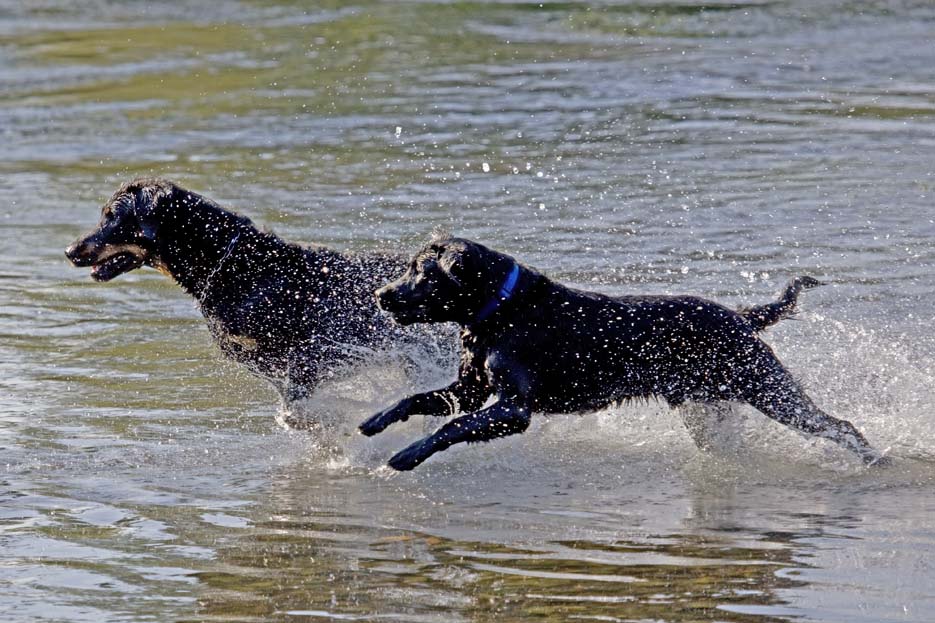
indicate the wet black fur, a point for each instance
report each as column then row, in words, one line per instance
column 551, row 348
column 290, row 313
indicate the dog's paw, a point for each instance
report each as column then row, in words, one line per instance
column 412, row 456
column 373, row 425
column 381, row 421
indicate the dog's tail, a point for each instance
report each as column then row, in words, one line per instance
column 763, row 316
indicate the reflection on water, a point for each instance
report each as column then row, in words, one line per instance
column 715, row 148
column 199, row 541
column 413, row 576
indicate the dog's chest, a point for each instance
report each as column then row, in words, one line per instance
column 243, row 342
column 228, row 340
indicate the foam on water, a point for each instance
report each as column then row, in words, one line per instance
column 878, row 381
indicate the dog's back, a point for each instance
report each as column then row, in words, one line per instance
column 586, row 350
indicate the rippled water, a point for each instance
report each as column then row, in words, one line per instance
column 627, row 147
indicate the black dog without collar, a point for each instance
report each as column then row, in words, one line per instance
column 291, row 314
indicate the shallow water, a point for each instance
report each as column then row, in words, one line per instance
column 648, row 147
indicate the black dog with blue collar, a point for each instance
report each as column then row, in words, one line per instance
column 539, row 346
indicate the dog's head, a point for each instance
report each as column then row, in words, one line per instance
column 125, row 237
column 448, row 280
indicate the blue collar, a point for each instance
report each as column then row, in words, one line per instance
column 506, row 291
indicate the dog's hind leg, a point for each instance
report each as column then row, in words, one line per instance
column 703, row 420
column 782, row 399
column 500, row 419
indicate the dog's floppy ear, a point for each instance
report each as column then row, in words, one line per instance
column 149, row 229
column 464, row 262
column 453, row 261
column 148, row 199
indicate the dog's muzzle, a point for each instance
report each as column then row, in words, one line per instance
column 107, row 262
column 390, row 300
column 77, row 254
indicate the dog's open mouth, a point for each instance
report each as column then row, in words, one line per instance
column 114, row 265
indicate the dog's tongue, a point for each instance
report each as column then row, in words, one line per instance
column 99, row 272
column 98, row 269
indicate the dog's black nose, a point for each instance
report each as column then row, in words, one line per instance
column 73, row 252
column 80, row 254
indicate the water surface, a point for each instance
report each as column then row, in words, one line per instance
column 661, row 147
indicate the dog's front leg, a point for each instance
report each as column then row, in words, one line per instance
column 438, row 402
column 498, row 420
column 467, row 393
column 401, row 411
